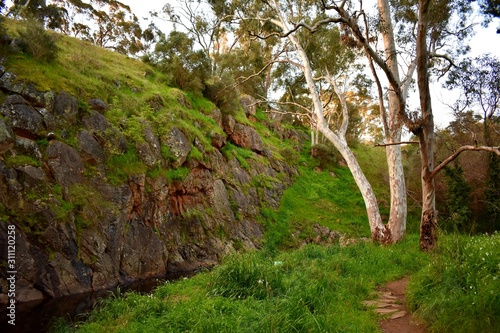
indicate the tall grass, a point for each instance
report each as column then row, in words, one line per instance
column 313, row 289
column 459, row 290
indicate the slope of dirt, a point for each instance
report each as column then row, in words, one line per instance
column 390, row 304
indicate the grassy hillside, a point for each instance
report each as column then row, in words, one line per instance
column 85, row 70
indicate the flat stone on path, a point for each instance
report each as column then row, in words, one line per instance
column 386, row 311
column 390, row 304
column 399, row 314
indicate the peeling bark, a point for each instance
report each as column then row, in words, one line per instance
column 383, row 235
column 428, row 230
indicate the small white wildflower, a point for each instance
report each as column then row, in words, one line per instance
column 260, row 281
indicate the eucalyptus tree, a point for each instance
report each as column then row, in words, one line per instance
column 235, row 63
column 490, row 9
column 432, row 40
column 478, row 81
column 289, row 20
column 321, row 69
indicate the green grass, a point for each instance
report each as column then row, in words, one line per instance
column 21, row 160
column 120, row 166
column 241, row 154
column 84, row 70
column 459, row 290
column 314, row 289
column 316, row 197
column 368, row 156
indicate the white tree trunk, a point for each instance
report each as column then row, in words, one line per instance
column 398, row 210
column 378, row 230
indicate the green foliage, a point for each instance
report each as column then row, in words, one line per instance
column 37, row 42
column 186, row 67
column 325, row 198
column 87, row 204
column 458, row 199
column 458, row 290
column 195, row 154
column 178, row 174
column 314, row 289
column 87, row 71
column 249, row 275
column 120, row 166
column 222, row 93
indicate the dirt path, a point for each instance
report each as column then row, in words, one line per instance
column 390, row 304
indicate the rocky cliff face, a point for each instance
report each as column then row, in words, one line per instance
column 78, row 229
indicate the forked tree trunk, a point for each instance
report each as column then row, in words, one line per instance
column 395, row 230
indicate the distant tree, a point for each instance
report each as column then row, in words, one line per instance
column 117, row 28
column 237, row 63
column 108, row 23
column 50, row 15
column 478, row 81
column 176, row 56
column 199, row 22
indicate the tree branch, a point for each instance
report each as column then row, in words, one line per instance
column 287, row 113
column 397, row 143
column 460, row 150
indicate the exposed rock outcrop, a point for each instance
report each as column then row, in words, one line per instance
column 84, row 224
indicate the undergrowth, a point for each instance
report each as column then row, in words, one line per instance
column 458, row 291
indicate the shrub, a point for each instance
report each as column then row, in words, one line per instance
column 244, row 276
column 326, row 155
column 223, row 94
column 37, row 42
